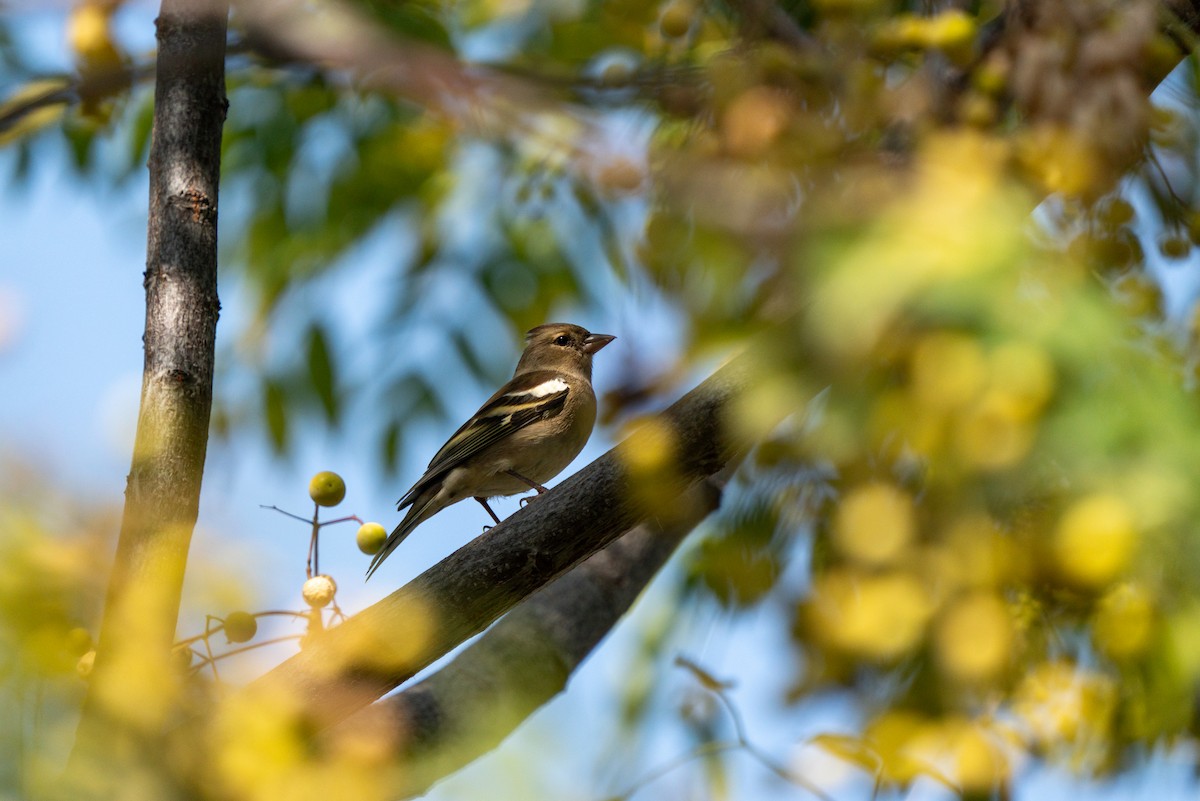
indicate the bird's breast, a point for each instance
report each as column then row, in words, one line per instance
column 539, row 451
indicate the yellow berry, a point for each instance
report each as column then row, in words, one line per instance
column 676, row 20
column 370, row 538
column 327, row 488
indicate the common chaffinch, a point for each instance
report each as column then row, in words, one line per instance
column 525, row 434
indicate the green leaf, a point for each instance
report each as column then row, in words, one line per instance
column 389, row 449
column 140, row 125
column 321, row 372
column 275, row 414
column 416, row 20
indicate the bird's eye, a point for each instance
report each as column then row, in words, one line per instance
column 562, row 339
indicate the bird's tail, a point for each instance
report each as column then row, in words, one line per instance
column 418, row 513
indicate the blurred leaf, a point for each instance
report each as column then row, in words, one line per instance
column 310, row 99
column 851, row 749
column 140, row 127
column 32, row 107
column 706, row 679
column 740, row 561
column 416, row 19
column 81, row 135
column 321, row 373
column 467, row 352
column 389, row 446
column 275, row 414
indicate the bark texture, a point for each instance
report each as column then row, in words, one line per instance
column 128, row 696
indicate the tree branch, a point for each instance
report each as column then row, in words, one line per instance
column 163, row 487
column 375, row 651
column 466, row 709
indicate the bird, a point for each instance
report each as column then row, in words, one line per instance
column 522, row 436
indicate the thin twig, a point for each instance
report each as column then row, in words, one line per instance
column 218, row 629
column 698, row 752
column 1152, row 157
column 355, row 518
column 313, row 557
column 275, row 641
column 208, row 632
column 741, row 742
column 282, row 512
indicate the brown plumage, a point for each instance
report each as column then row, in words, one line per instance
column 523, row 436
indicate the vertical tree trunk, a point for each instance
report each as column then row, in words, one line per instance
column 131, row 692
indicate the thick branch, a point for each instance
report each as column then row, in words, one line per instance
column 385, row 645
column 466, row 709
column 163, row 488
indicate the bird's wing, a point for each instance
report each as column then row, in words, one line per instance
column 528, row 398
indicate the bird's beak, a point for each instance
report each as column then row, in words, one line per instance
column 594, row 342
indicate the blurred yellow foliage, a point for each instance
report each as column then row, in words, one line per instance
column 982, row 556
column 890, row 734
column 974, row 638
column 1058, row 158
column 875, row 616
column 993, row 433
column 1024, row 373
column 775, row 396
column 948, row 370
column 89, row 34
column 962, row 217
column 753, row 121
column 983, row 405
column 262, row 749
column 1124, row 621
column 1067, row 710
column 874, row 523
column 648, row 455
column 964, row 753
column 359, row 645
column 1094, row 541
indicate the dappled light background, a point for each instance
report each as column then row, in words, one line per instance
column 959, row 256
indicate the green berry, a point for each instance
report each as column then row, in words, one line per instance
column 370, row 538
column 79, row 641
column 181, row 657
column 327, row 488
column 240, row 627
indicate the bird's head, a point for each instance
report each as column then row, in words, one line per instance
column 561, row 346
